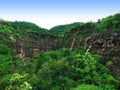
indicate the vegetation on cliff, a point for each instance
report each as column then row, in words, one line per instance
column 67, row 63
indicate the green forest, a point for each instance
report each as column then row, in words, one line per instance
column 76, row 56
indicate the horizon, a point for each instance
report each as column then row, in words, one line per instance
column 50, row 13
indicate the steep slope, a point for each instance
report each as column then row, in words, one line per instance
column 102, row 37
column 61, row 29
column 63, row 68
column 28, row 39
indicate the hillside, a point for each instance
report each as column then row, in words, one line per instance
column 28, row 39
column 61, row 29
column 102, row 37
column 77, row 56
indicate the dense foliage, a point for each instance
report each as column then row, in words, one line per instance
column 60, row 69
column 61, row 29
column 111, row 22
column 90, row 29
column 63, row 69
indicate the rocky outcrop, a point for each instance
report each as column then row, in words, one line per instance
column 105, row 43
column 29, row 41
column 33, row 44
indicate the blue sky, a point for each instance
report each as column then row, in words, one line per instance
column 49, row 13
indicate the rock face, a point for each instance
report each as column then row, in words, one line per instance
column 29, row 46
column 107, row 44
column 29, row 41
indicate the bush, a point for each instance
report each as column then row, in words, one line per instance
column 87, row 87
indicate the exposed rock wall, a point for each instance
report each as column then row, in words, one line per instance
column 107, row 44
column 29, row 46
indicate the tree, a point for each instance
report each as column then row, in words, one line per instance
column 19, row 82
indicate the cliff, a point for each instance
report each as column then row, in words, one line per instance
column 103, row 37
column 27, row 39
